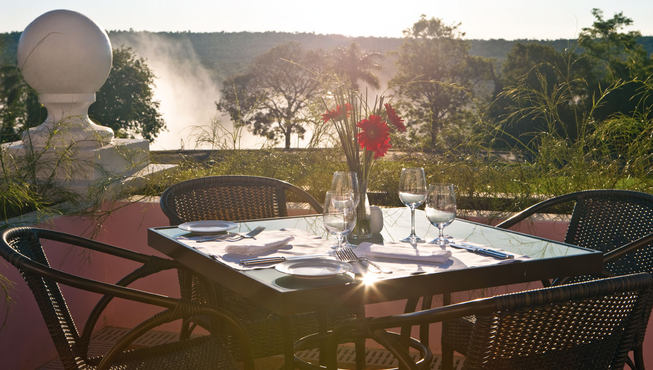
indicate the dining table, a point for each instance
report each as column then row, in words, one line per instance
column 277, row 288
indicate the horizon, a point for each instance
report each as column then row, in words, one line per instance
column 552, row 20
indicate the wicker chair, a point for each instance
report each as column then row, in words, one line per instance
column 231, row 198
column 589, row 325
column 23, row 248
column 239, row 198
column 617, row 222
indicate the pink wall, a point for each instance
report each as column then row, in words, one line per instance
column 24, row 340
column 26, row 344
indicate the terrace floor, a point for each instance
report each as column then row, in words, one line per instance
column 375, row 358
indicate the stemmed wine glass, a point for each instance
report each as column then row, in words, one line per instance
column 345, row 182
column 412, row 193
column 441, row 209
column 339, row 214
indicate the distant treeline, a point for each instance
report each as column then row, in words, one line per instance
column 227, row 53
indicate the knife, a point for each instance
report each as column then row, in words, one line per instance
column 276, row 259
column 482, row 251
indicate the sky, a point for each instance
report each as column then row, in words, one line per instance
column 480, row 19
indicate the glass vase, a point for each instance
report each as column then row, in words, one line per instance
column 362, row 231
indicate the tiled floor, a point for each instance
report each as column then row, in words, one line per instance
column 103, row 340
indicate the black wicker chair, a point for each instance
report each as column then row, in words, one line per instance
column 588, row 325
column 617, row 222
column 240, row 198
column 23, row 248
column 231, row 198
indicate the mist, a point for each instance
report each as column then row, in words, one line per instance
column 186, row 90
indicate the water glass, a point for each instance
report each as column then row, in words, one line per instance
column 339, row 214
column 346, row 182
column 412, row 193
column 441, row 209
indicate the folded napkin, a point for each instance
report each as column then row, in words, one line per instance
column 264, row 242
column 422, row 253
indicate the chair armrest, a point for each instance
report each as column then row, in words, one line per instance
column 628, row 247
column 95, row 245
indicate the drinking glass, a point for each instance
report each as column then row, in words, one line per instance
column 339, row 214
column 346, row 182
column 412, row 193
column 441, row 209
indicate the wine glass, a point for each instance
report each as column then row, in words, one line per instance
column 339, row 214
column 441, row 209
column 412, row 193
column 344, row 182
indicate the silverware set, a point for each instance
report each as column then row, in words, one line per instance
column 346, row 254
column 481, row 250
column 233, row 237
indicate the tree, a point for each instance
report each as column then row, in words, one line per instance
column 541, row 90
column 436, row 77
column 352, row 65
column 19, row 105
column 125, row 101
column 273, row 96
column 238, row 100
column 617, row 55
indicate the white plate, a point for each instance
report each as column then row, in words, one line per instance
column 314, row 268
column 207, row 226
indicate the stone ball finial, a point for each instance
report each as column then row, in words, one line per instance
column 66, row 58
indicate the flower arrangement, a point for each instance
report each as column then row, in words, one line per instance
column 363, row 132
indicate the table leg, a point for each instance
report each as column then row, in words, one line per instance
column 328, row 347
column 447, row 351
column 288, row 345
column 427, row 301
column 359, row 343
column 411, row 306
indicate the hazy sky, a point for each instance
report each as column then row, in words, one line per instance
column 481, row 19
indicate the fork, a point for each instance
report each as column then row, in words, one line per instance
column 346, row 254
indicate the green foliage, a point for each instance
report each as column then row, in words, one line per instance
column 617, row 55
column 437, row 78
column 125, row 101
column 19, row 105
column 309, row 169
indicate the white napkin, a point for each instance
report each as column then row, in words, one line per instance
column 421, row 253
column 264, row 242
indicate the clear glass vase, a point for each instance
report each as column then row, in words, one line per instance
column 362, row 231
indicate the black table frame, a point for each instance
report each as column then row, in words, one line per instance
column 265, row 286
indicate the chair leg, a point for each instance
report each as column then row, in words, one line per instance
column 447, row 357
column 638, row 353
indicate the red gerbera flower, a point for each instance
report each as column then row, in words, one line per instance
column 374, row 135
column 337, row 114
column 394, row 118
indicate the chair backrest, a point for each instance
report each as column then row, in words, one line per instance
column 591, row 324
column 22, row 247
column 604, row 220
column 585, row 325
column 231, row 198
